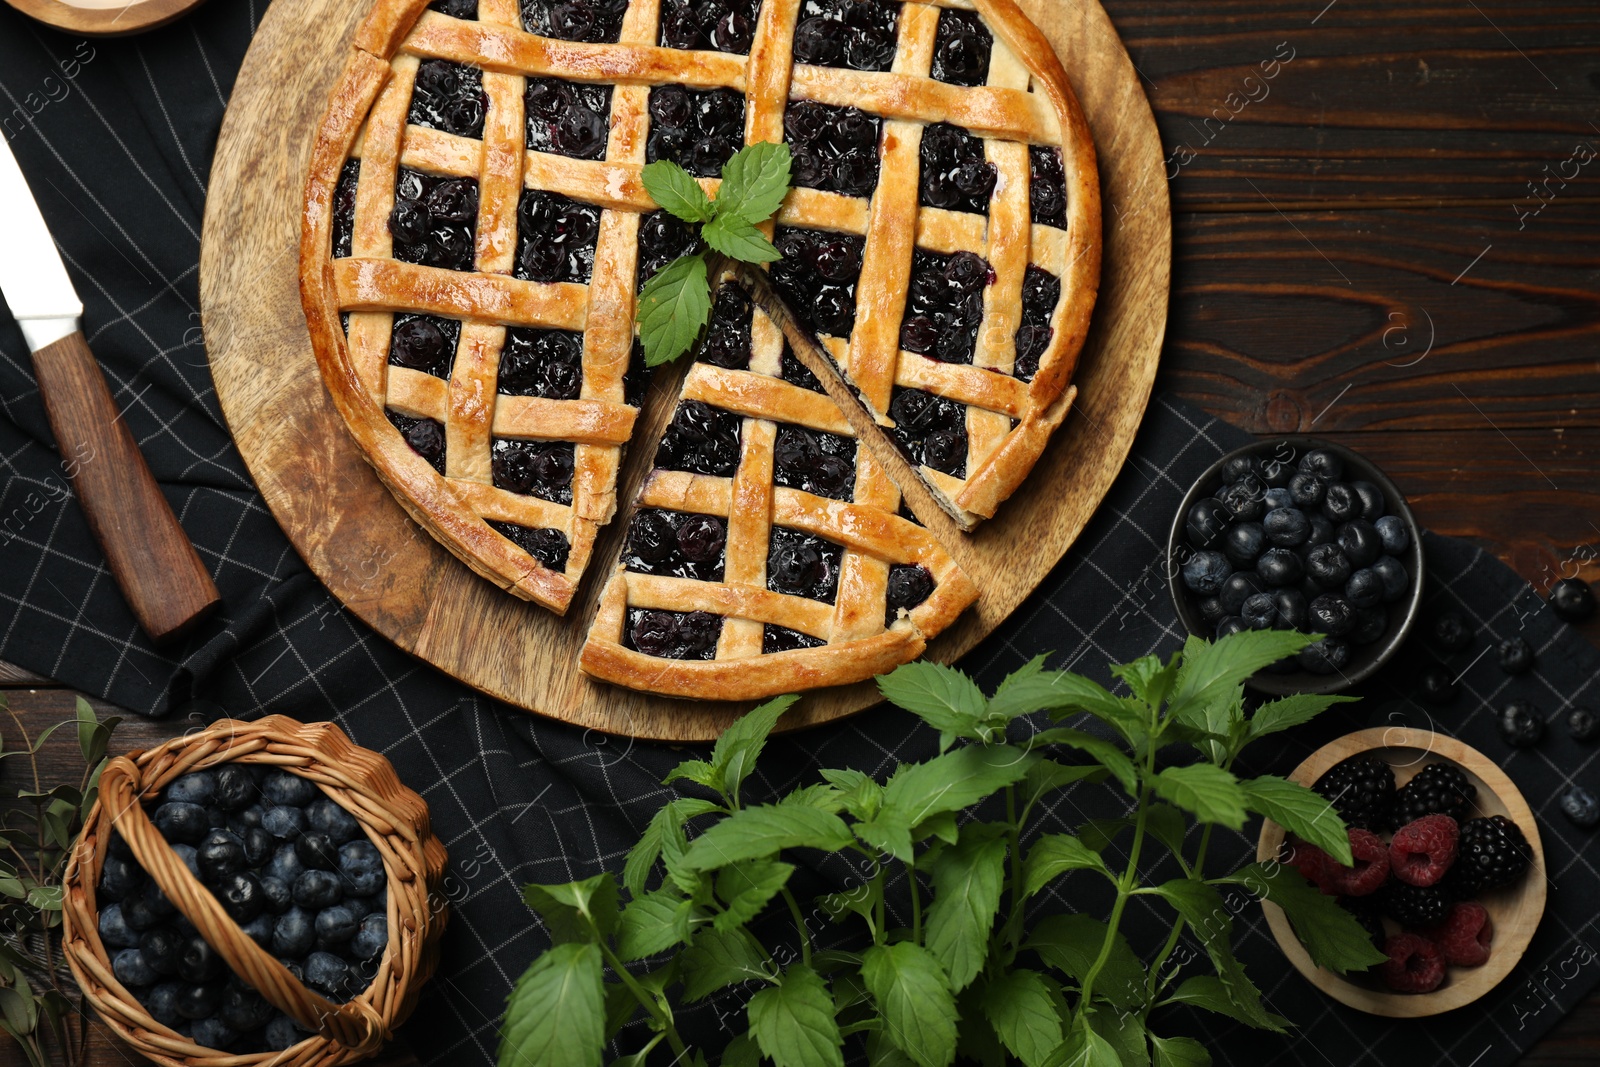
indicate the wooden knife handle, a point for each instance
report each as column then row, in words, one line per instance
column 150, row 556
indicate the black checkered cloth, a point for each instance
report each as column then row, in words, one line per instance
column 116, row 135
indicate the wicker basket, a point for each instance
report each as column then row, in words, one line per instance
column 360, row 781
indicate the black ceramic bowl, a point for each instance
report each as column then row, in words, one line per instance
column 1365, row 659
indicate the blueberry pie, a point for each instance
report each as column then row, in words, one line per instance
column 476, row 233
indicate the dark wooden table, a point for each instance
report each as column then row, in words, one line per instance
column 1385, row 231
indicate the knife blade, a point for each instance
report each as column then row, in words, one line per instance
column 150, row 557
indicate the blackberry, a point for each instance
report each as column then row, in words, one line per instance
column 1492, row 853
column 1437, row 789
column 1361, row 791
column 1415, row 906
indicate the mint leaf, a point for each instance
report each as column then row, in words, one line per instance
column 1179, row 1052
column 676, row 192
column 754, row 183
column 758, row 832
column 741, row 1052
column 1085, row 1048
column 793, row 1021
column 642, row 857
column 1055, row 855
column 1206, row 992
column 1024, row 1012
column 1048, row 775
column 1105, row 753
column 940, row 696
column 953, row 781
column 1205, row 791
column 653, row 923
column 1294, row 710
column 673, row 307
column 1302, row 812
column 888, row 831
column 674, row 846
column 716, row 959
column 967, row 882
column 1331, row 936
column 1148, row 678
column 1166, row 824
column 1211, row 673
column 697, row 771
column 576, row 911
column 734, row 756
column 1124, row 1031
column 1070, row 944
column 737, row 239
column 1099, row 833
column 745, row 888
column 819, row 795
column 910, row 990
column 1062, row 693
column 861, row 795
column 555, row 1017
column 1203, row 909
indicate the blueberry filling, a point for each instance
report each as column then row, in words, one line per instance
column 549, row 547
column 636, row 379
column 944, row 305
column 595, row 21
column 434, row 220
column 547, row 363
column 961, row 47
column 782, row 639
column 930, row 430
column 678, row 544
column 909, row 585
column 814, row 461
column 344, row 322
column 1041, row 291
column 835, row 148
column 533, row 468
column 555, row 238
column 796, row 373
column 700, row 439
column 425, row 436
column 567, row 118
column 344, row 207
column 721, row 25
column 847, row 33
column 662, row 239
column 672, row 634
column 906, row 513
column 727, row 341
column 424, row 342
column 456, row 9
column 449, row 97
column 955, row 173
column 803, row 564
column 1047, row 186
column 817, row 275
column 699, row 129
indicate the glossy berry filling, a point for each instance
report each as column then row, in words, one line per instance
column 637, row 377
column 698, row 129
column 424, row 342
column 549, row 547
column 909, row 585
column 533, row 468
column 814, row 461
column 425, row 436
column 803, row 564
column 907, row 514
column 817, row 276
column 1047, row 186
column 662, row 239
column 595, row 21
column 834, row 148
column 672, row 634
column 727, row 340
column 456, row 9
column 567, row 118
column 555, row 238
column 956, row 175
column 449, row 97
column 782, row 639
column 718, row 25
column 547, row 363
column 344, row 207
column 1041, row 292
column 944, row 305
column 434, row 220
column 930, row 430
column 961, row 47
column 796, row 373
column 700, row 439
column 859, row 34
column 678, row 544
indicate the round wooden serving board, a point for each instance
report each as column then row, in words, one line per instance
column 364, row 547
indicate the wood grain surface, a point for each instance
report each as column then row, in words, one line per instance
column 355, row 536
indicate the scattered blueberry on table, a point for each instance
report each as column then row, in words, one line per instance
column 1572, row 600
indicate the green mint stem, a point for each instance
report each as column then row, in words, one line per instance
column 1158, row 982
column 916, row 902
column 642, row 995
column 1125, row 885
column 1013, row 927
column 799, row 926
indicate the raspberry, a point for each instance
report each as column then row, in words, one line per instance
column 1422, row 851
column 1371, row 868
column 1315, row 865
column 1414, row 964
column 1463, row 938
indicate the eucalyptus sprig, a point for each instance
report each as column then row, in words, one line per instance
column 676, row 302
column 976, row 969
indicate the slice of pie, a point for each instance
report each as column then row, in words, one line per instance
column 476, row 232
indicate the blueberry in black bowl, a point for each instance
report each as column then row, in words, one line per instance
column 1299, row 534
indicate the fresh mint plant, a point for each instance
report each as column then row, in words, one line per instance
column 976, row 970
column 676, row 302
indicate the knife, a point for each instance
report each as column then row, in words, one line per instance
column 150, row 556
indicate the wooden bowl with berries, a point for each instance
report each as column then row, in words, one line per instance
column 1449, row 874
